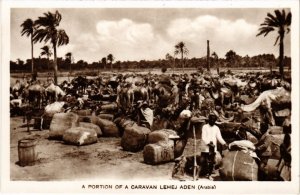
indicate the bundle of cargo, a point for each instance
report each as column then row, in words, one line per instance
column 108, row 128
column 85, row 112
column 161, row 146
column 80, row 136
column 109, row 108
column 158, row 153
column 109, row 117
column 269, row 144
column 238, row 166
column 60, row 123
column 92, row 126
column 162, row 135
column 134, row 138
column 56, row 107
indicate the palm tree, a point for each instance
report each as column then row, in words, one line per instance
column 28, row 30
column 47, row 31
column 110, row 58
column 280, row 22
column 46, row 51
column 180, row 48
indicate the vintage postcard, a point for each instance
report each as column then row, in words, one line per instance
column 150, row 97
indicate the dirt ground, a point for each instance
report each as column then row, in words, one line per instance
column 60, row 162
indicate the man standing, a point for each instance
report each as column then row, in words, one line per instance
column 210, row 135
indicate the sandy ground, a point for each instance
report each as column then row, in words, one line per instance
column 60, row 162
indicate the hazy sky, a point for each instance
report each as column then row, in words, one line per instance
column 137, row 34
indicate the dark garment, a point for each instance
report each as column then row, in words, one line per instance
column 207, row 163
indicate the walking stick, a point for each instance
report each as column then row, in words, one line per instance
column 195, row 155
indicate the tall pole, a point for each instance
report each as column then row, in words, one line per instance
column 207, row 57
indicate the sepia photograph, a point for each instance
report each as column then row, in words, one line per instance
column 160, row 97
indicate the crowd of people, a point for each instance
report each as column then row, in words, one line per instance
column 157, row 101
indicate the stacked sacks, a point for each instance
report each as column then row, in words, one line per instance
column 160, row 148
column 108, row 110
column 109, row 117
column 92, row 126
column 56, row 107
column 108, row 128
column 239, row 164
column 84, row 115
column 269, row 144
column 60, row 123
column 134, row 138
column 80, row 136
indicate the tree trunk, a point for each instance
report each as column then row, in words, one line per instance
column 182, row 60
column 55, row 64
column 207, row 57
column 33, row 71
column 281, row 55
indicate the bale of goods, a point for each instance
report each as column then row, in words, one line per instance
column 109, row 117
column 109, row 108
column 159, row 153
column 54, row 108
column 108, row 128
column 80, row 136
column 269, row 145
column 134, row 138
column 238, row 166
column 85, row 112
column 91, row 126
column 60, row 123
column 160, row 135
column 276, row 141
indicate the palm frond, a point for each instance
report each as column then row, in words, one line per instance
column 283, row 16
column 288, row 20
column 27, row 27
column 62, row 38
column 265, row 30
column 278, row 15
column 270, row 22
column 273, row 18
column 277, row 40
column 39, row 35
